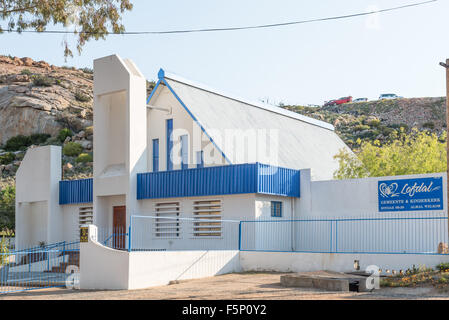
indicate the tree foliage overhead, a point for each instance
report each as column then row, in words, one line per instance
column 414, row 153
column 91, row 19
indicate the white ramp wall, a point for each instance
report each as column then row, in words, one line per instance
column 103, row 268
column 159, row 268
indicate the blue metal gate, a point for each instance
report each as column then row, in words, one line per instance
column 55, row 265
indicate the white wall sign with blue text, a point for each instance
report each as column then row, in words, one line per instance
column 410, row 194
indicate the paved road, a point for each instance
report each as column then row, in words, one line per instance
column 231, row 286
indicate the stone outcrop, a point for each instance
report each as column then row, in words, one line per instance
column 28, row 107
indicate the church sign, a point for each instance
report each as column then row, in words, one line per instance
column 423, row 194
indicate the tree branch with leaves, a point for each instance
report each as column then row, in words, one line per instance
column 90, row 19
column 415, row 153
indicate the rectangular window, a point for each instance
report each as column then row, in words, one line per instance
column 155, row 155
column 169, row 126
column 276, row 209
column 167, row 225
column 199, row 159
column 207, row 215
column 184, row 152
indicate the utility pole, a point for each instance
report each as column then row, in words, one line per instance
column 446, row 65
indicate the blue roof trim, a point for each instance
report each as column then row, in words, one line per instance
column 222, row 180
column 153, row 91
column 76, row 191
column 196, row 120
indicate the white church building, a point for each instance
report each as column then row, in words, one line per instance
column 186, row 151
column 193, row 168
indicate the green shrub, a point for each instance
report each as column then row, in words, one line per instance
column 374, row 123
column 64, row 133
column 18, row 143
column 443, row 280
column 79, row 96
column 26, row 72
column 72, row 149
column 39, row 138
column 443, row 266
column 361, row 127
column 429, row 125
column 89, row 130
column 7, row 158
column 3, row 251
column 84, row 157
column 53, row 141
column 7, row 207
column 42, row 81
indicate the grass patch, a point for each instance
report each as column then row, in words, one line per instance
column 43, row 81
column 81, row 97
column 418, row 276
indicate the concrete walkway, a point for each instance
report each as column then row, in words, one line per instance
column 232, row 286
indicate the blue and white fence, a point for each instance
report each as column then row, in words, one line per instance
column 155, row 233
column 116, row 237
column 55, row 265
column 386, row 235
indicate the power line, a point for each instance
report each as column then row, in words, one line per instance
column 274, row 25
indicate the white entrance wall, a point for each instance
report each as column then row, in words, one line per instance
column 38, row 215
column 104, row 214
column 120, row 142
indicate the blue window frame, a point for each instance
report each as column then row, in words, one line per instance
column 184, row 152
column 199, row 159
column 169, row 126
column 155, row 155
column 276, row 209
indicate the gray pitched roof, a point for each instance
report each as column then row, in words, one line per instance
column 303, row 142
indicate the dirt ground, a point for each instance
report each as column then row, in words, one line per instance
column 261, row 286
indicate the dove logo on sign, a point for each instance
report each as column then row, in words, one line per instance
column 410, row 194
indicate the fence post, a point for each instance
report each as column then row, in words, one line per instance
column 129, row 233
column 336, row 236
column 240, row 235
column 331, row 236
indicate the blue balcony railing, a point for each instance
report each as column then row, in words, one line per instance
column 222, row 180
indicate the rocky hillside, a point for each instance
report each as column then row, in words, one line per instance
column 373, row 120
column 36, row 97
column 43, row 104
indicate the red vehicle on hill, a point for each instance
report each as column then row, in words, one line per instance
column 338, row 101
column 343, row 100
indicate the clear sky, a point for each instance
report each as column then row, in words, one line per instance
column 396, row 52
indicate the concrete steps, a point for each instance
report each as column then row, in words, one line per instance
column 326, row 280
